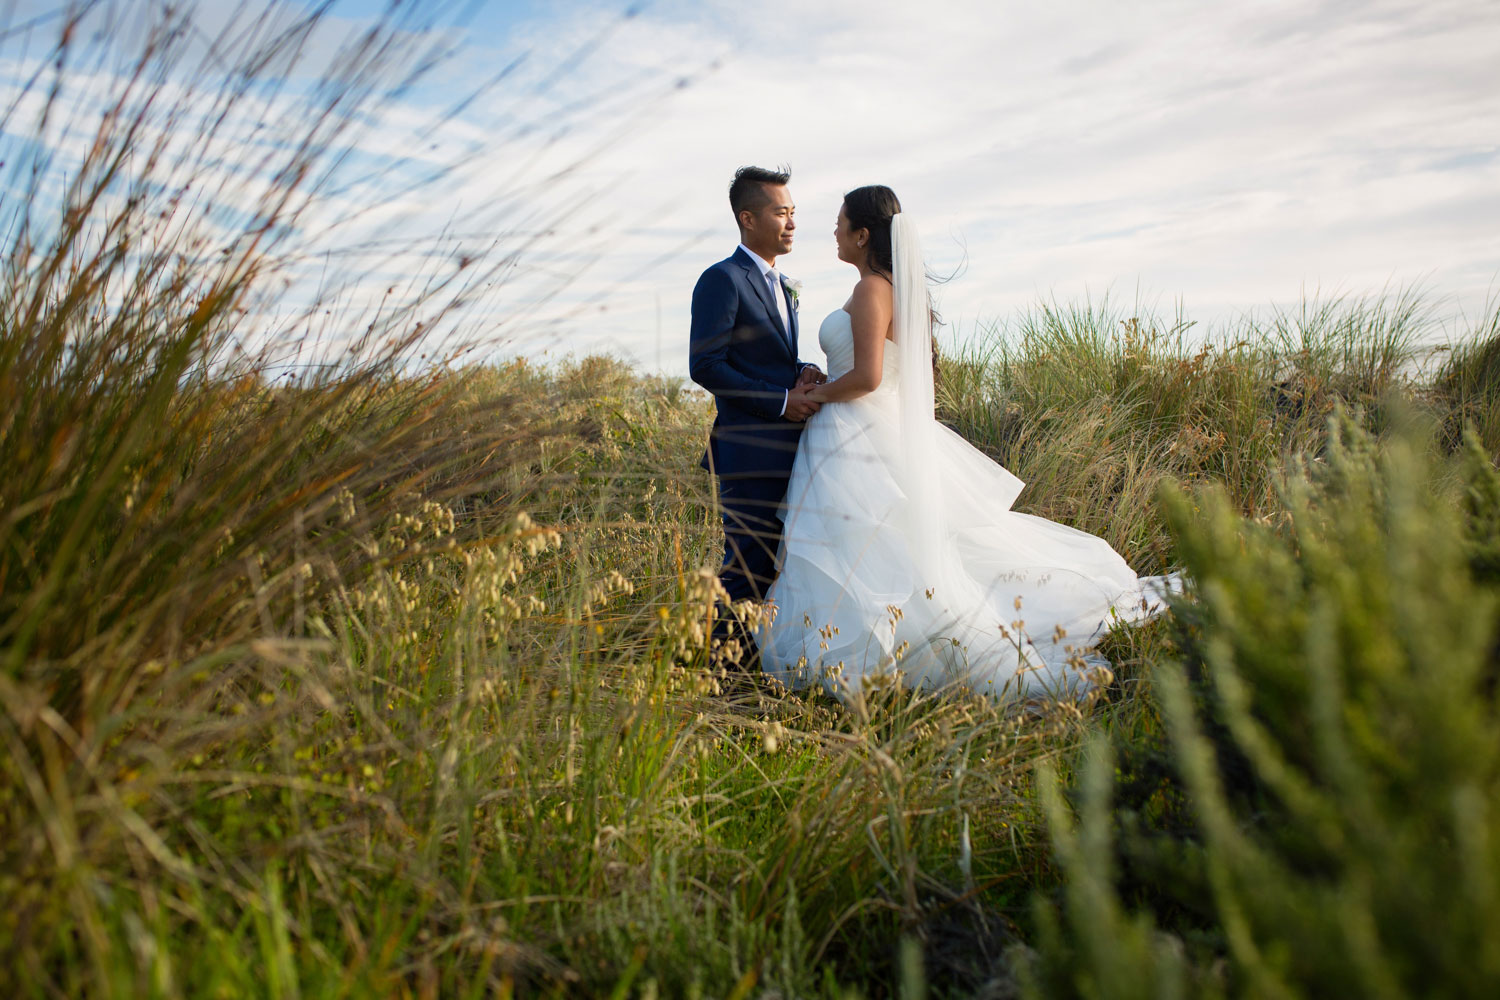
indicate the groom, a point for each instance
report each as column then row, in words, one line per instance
column 743, row 350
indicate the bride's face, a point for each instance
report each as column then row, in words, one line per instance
column 849, row 240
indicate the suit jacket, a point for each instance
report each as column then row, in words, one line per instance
column 741, row 354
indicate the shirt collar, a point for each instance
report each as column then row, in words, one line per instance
column 760, row 262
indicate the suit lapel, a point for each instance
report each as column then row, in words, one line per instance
column 757, row 282
column 791, row 312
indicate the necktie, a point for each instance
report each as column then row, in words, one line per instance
column 774, row 277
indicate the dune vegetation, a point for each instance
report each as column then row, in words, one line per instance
column 389, row 678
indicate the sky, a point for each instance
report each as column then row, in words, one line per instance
column 1217, row 158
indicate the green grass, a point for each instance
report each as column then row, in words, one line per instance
column 392, row 681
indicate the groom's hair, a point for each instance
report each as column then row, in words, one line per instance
column 747, row 192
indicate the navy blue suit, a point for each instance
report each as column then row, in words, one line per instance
column 740, row 353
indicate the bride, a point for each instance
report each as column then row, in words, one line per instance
column 901, row 555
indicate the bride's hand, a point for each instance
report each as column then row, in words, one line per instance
column 810, row 375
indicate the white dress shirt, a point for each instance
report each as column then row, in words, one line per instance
column 778, row 296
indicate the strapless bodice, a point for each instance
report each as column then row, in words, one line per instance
column 836, row 338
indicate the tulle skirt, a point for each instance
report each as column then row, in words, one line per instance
column 998, row 601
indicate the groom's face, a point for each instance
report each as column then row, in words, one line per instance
column 768, row 229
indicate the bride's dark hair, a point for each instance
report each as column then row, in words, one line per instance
column 871, row 207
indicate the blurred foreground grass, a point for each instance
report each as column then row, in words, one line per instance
column 389, row 679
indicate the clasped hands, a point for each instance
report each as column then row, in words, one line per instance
column 798, row 406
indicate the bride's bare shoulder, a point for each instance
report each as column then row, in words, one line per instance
column 872, row 290
column 870, row 306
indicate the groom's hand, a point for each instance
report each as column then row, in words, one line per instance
column 810, row 375
column 798, row 406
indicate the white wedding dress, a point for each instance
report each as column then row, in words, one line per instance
column 968, row 592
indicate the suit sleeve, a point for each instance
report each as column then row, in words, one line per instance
column 715, row 305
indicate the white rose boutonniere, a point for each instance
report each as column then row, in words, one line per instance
column 793, row 290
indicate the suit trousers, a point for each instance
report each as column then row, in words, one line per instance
column 751, row 511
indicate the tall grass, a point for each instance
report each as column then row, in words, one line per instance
column 1466, row 387
column 174, row 519
column 1095, row 408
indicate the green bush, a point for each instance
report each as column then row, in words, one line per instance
column 1319, row 818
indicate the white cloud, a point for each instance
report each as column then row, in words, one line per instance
column 1230, row 155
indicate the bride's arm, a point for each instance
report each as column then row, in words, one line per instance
column 870, row 318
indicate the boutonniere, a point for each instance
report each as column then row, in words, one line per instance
column 793, row 290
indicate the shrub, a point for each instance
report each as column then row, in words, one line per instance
column 1320, row 819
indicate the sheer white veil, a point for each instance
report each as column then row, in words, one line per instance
column 917, row 477
column 954, row 595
